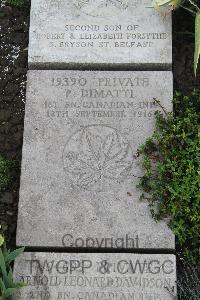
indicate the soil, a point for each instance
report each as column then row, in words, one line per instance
column 183, row 52
column 14, row 26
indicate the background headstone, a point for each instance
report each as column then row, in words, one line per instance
column 80, row 166
column 111, row 276
column 99, row 33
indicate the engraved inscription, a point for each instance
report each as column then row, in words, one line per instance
column 102, row 36
column 99, row 32
column 106, row 98
column 101, row 8
column 97, row 155
column 87, row 278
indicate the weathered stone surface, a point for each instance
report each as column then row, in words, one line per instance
column 99, row 33
column 80, row 167
column 91, row 276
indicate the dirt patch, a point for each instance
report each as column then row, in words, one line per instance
column 183, row 52
column 14, row 26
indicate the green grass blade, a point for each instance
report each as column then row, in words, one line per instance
column 10, row 291
column 20, row 284
column 5, row 251
column 197, row 42
column 2, row 286
column 13, row 255
column 2, row 264
column 2, row 240
column 10, row 279
column 162, row 2
column 173, row 3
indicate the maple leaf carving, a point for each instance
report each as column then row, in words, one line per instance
column 96, row 154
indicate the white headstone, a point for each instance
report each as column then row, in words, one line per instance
column 80, row 167
column 91, row 276
column 99, row 33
